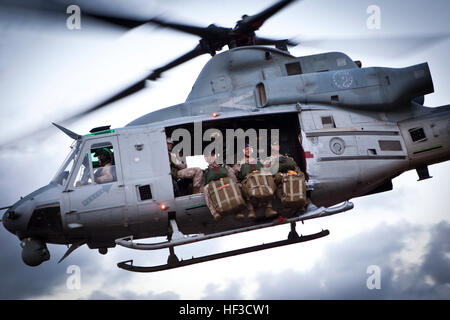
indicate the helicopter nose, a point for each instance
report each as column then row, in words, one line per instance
column 5, row 223
column 15, row 219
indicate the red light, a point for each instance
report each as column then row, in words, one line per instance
column 163, row 206
column 215, row 114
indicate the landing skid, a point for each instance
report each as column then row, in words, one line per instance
column 173, row 261
column 178, row 238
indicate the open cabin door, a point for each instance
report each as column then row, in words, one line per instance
column 147, row 179
column 146, row 165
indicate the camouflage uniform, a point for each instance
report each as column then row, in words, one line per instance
column 179, row 170
column 270, row 167
column 270, row 162
column 250, row 207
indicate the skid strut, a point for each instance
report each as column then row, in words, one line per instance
column 173, row 262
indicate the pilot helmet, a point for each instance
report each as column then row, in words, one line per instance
column 104, row 153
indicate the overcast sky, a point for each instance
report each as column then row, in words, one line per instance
column 48, row 72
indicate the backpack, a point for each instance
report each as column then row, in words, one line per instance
column 259, row 187
column 291, row 190
column 226, row 197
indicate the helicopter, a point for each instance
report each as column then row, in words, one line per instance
column 353, row 128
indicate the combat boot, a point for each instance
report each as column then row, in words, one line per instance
column 239, row 216
column 196, row 190
column 269, row 212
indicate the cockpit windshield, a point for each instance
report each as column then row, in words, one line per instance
column 68, row 165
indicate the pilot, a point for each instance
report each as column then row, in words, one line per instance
column 179, row 169
column 248, row 165
column 106, row 172
column 214, row 172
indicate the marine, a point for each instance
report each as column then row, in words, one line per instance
column 179, row 169
column 243, row 169
column 289, row 179
column 227, row 187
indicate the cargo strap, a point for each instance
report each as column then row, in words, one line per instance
column 255, row 182
column 227, row 198
column 267, row 184
column 216, row 194
column 233, row 187
column 291, row 186
column 226, row 194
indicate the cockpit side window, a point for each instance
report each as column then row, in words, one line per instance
column 84, row 176
column 98, row 166
column 102, row 156
column 68, row 165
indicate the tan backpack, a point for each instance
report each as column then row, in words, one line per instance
column 291, row 189
column 259, row 187
column 226, row 197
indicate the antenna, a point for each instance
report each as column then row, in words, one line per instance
column 71, row 134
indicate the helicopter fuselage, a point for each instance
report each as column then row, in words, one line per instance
column 354, row 129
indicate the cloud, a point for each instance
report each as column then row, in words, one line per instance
column 130, row 295
column 230, row 292
column 411, row 268
column 48, row 280
column 437, row 260
column 342, row 272
column 18, row 281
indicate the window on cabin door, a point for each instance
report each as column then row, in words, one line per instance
column 98, row 165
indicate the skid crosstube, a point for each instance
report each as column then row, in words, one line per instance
column 175, row 263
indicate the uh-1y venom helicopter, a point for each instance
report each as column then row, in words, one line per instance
column 354, row 129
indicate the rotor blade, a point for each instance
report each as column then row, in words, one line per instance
column 121, row 22
column 109, row 16
column 210, row 32
column 131, row 89
column 197, row 51
column 139, row 85
column 128, row 91
column 268, row 41
column 254, row 22
column 392, row 46
column 59, row 8
column 198, row 31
